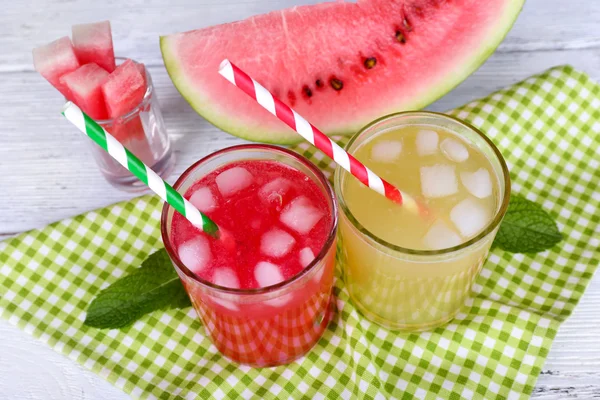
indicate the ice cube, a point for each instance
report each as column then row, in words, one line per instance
column 386, row 151
column 267, row 274
column 427, row 142
column 319, row 275
column 441, row 236
column 478, row 183
column 226, row 277
column 280, row 300
column 276, row 243
column 454, row 150
column 203, row 199
column 275, row 190
column 300, row 215
column 306, row 256
column 195, row 254
column 438, row 180
column 226, row 303
column 233, row 180
column 470, row 216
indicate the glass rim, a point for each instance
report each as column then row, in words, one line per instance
column 493, row 224
column 135, row 110
column 330, row 193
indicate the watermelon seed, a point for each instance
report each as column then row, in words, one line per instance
column 406, row 25
column 336, row 83
column 307, row 91
column 370, row 62
column 400, row 37
column 319, row 83
column 291, row 98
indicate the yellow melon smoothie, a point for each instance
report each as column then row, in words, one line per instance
column 404, row 270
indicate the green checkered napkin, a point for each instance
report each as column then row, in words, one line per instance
column 548, row 129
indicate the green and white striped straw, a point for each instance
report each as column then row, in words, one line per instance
column 117, row 151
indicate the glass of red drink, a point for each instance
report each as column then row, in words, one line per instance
column 264, row 289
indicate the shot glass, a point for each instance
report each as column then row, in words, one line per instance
column 143, row 132
column 410, row 289
column 266, row 326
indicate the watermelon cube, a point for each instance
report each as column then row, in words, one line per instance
column 124, row 89
column 142, row 68
column 85, row 86
column 93, row 44
column 54, row 60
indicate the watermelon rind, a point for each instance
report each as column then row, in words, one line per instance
column 201, row 103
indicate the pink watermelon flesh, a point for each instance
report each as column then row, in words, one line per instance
column 85, row 85
column 93, row 44
column 124, row 89
column 54, row 60
column 128, row 130
column 340, row 64
column 142, row 68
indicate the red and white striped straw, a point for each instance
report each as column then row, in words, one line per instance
column 317, row 138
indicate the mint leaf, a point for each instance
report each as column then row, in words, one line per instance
column 154, row 286
column 526, row 228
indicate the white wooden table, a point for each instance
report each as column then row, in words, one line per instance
column 46, row 174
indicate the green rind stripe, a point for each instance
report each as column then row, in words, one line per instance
column 137, row 167
column 209, row 226
column 95, row 132
column 175, row 200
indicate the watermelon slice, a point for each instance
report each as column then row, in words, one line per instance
column 54, row 60
column 93, row 44
column 85, row 85
column 124, row 89
column 339, row 64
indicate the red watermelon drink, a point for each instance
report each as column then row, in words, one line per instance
column 264, row 293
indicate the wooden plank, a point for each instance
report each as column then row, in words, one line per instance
column 137, row 24
column 29, row 369
column 572, row 369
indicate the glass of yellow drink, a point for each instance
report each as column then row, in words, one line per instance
column 406, row 270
